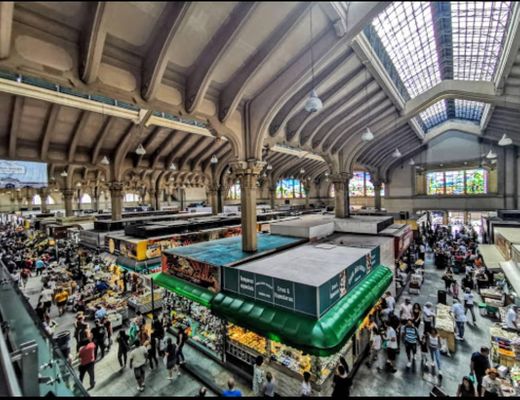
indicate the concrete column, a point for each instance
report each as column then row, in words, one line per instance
column 213, row 201
column 68, row 195
column 181, row 195
column 220, row 199
column 154, row 198
column 378, row 185
column 116, row 197
column 78, row 193
column 44, row 192
column 247, row 173
column 445, row 217
column 342, row 201
column 272, row 196
column 307, row 188
column 95, row 199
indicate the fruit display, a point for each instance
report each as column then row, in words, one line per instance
column 291, row 358
column 108, row 301
column 247, row 338
column 147, row 297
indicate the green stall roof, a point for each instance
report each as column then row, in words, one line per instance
column 321, row 337
column 183, row 288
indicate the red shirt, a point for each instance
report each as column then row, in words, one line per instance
column 87, row 354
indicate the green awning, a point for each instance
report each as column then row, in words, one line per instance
column 184, row 289
column 317, row 337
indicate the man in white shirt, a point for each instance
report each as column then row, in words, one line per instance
column 46, row 297
column 405, row 311
column 390, row 305
column 457, row 312
column 511, row 317
column 469, row 303
column 391, row 347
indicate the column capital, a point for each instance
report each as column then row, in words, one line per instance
column 115, row 186
column 340, row 177
column 68, row 192
column 213, row 188
column 378, row 184
column 152, row 192
column 249, row 167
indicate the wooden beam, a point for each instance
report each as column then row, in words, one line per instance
column 198, row 81
column 159, row 152
column 16, row 117
column 94, row 42
column 50, row 124
column 6, row 27
column 78, row 131
column 156, row 59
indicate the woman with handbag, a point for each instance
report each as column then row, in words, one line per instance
column 171, row 358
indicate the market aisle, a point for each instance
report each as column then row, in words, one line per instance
column 368, row 382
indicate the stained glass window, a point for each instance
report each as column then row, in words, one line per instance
column 234, row 192
column 290, row 189
column 476, row 181
column 454, row 181
column 356, row 186
column 458, row 182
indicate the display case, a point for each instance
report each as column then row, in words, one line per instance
column 143, row 303
column 245, row 345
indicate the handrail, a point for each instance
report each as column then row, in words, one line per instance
column 12, row 384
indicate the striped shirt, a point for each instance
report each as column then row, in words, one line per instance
column 410, row 334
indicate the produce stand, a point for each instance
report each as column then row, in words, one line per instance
column 143, row 303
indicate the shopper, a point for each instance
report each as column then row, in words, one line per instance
column 341, row 383
column 411, row 337
column 46, row 296
column 491, row 386
column 434, row 345
column 416, row 315
column 231, row 391
column 306, row 388
column 122, row 349
column 100, row 313
column 137, row 362
column 80, row 330
column 182, row 338
column 87, row 359
column 466, row 388
column 152, row 352
column 108, row 330
column 428, row 317
column 25, row 274
column 391, row 346
column 269, row 386
column 99, row 335
column 469, row 300
column 61, row 300
column 202, row 392
column 375, row 349
column 258, row 375
column 479, row 364
column 171, row 358
column 511, row 318
column 405, row 311
column 458, row 314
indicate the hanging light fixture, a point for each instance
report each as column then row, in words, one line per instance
column 302, row 171
column 367, row 136
column 313, row 103
column 173, row 167
column 140, row 150
column 64, row 173
column 491, row 155
column 505, row 141
column 105, row 161
column 396, row 153
column 412, row 162
column 269, row 167
column 214, row 159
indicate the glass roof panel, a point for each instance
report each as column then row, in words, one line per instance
column 466, row 109
column 435, row 114
column 478, row 29
column 406, row 32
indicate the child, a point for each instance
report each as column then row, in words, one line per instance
column 424, row 352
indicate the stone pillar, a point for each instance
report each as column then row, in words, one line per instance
column 445, row 219
column 342, row 201
column 78, row 193
column 378, row 185
column 154, row 198
column 213, row 202
column 247, row 173
column 68, row 195
column 307, row 189
column 181, row 195
column 272, row 196
column 116, row 197
column 95, row 199
column 44, row 193
column 220, row 199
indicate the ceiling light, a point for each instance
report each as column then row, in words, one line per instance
column 214, row 159
column 78, row 184
column 140, row 150
column 269, row 167
column 302, row 171
column 64, row 173
column 313, row 103
column 396, row 153
column 412, row 162
column 367, row 136
column 505, row 141
column 105, row 161
column 491, row 154
column 173, row 167
column 493, row 161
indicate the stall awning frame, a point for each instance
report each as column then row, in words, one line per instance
column 321, row 337
column 184, row 289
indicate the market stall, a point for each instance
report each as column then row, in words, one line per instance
column 491, row 256
column 511, row 288
column 445, row 325
column 505, row 239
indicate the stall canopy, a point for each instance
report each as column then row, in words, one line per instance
column 491, row 255
column 184, row 289
column 321, row 337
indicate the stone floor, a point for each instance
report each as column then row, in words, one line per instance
column 405, row 382
column 110, row 381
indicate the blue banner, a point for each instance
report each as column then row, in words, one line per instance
column 19, row 174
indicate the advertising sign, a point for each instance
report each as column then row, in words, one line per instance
column 19, row 174
column 196, row 272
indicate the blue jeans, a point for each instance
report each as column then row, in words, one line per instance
column 436, row 357
column 460, row 328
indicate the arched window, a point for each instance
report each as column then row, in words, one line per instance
column 131, row 198
column 85, row 199
column 290, row 189
column 37, row 200
column 234, row 192
column 332, row 192
column 50, row 201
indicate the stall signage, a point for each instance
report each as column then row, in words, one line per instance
column 264, row 288
column 356, row 272
column 196, row 272
column 284, row 293
column 246, row 283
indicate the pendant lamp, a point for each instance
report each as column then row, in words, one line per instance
column 313, row 102
column 505, row 141
column 367, row 136
column 396, row 153
column 140, row 150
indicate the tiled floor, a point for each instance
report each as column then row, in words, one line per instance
column 110, row 381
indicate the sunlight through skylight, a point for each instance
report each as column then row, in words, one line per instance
column 435, row 114
column 466, row 109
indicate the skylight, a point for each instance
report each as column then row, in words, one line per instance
column 478, row 33
column 406, row 32
column 434, row 115
column 466, row 109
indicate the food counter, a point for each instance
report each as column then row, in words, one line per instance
column 143, row 302
column 445, row 324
